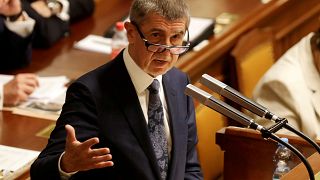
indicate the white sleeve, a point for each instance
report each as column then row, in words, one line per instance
column 64, row 14
column 22, row 28
column 64, row 175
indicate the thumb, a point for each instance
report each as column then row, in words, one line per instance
column 71, row 134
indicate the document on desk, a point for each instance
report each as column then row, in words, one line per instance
column 15, row 161
column 46, row 101
column 94, row 43
column 200, row 29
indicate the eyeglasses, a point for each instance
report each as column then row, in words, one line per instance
column 159, row 48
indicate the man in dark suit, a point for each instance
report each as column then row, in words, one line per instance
column 108, row 128
column 15, row 35
column 53, row 18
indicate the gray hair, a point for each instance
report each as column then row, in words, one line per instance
column 169, row 9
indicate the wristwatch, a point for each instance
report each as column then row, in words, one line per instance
column 54, row 6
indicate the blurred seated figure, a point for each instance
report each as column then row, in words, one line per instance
column 18, row 89
column 53, row 18
column 291, row 87
column 16, row 29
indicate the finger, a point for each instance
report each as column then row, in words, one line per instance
column 29, row 79
column 3, row 3
column 71, row 134
column 103, row 164
column 90, row 142
column 22, row 96
column 99, row 152
column 33, row 82
column 103, row 158
column 27, row 89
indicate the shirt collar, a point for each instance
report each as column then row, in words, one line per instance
column 141, row 80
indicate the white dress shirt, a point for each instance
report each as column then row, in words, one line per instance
column 22, row 28
column 141, row 81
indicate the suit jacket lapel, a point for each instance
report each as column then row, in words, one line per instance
column 171, row 99
column 127, row 97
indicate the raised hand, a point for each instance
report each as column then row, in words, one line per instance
column 42, row 8
column 80, row 156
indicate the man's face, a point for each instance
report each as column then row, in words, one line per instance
column 156, row 30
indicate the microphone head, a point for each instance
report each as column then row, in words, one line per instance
column 212, row 83
column 197, row 93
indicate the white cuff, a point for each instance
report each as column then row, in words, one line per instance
column 64, row 14
column 64, row 175
column 22, row 28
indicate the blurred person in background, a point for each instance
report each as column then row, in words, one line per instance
column 291, row 87
column 16, row 30
column 53, row 18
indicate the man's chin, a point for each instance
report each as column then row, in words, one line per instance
column 158, row 72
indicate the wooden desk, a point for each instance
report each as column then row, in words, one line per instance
column 20, row 131
column 248, row 156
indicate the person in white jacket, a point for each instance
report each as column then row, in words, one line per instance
column 291, row 87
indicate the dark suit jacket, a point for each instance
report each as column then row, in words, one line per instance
column 50, row 30
column 15, row 50
column 104, row 104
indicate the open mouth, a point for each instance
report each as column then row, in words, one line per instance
column 160, row 61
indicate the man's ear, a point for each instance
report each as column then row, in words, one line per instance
column 130, row 28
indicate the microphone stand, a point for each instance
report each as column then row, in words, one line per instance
column 283, row 123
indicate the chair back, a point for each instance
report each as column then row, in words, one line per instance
column 253, row 55
column 210, row 154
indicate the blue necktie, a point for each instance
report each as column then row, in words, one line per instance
column 156, row 128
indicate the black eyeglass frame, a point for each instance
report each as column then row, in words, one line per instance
column 165, row 47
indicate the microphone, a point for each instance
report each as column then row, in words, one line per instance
column 235, row 96
column 232, row 94
column 221, row 107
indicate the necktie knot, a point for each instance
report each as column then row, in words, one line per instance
column 154, row 87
